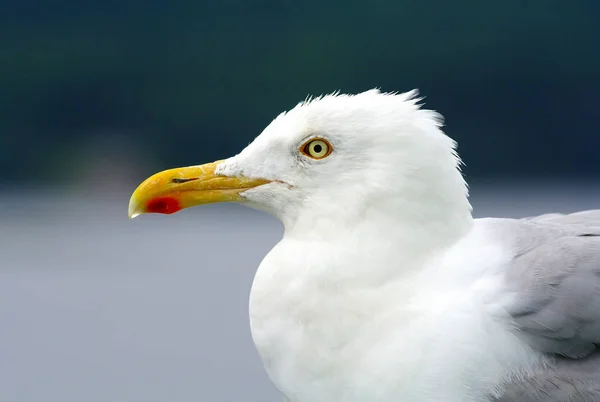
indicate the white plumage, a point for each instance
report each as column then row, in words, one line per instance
column 377, row 291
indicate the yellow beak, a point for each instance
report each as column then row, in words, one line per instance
column 175, row 189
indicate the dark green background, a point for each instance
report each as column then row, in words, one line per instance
column 146, row 85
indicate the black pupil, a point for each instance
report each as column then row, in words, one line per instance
column 318, row 148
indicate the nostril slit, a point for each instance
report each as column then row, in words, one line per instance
column 178, row 180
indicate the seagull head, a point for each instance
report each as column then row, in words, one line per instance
column 334, row 160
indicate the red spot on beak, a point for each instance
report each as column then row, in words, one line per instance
column 163, row 205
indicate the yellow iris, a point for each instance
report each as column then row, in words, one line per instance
column 317, row 148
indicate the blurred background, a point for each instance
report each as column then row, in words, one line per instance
column 97, row 95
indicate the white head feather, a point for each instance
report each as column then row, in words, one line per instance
column 390, row 161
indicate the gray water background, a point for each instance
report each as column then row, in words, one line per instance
column 97, row 308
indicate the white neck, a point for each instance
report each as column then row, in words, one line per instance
column 413, row 228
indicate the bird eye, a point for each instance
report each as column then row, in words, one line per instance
column 318, row 148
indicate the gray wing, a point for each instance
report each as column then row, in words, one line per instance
column 566, row 381
column 587, row 220
column 555, row 276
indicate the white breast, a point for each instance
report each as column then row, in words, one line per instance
column 325, row 336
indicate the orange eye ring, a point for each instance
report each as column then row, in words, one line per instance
column 317, row 148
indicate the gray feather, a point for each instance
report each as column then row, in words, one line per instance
column 555, row 279
column 566, row 380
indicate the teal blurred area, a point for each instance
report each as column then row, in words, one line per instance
column 128, row 87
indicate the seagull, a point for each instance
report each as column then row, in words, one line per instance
column 384, row 288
